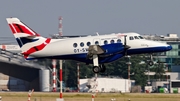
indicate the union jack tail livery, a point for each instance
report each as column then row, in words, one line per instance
column 28, row 40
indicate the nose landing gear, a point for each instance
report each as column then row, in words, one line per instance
column 150, row 61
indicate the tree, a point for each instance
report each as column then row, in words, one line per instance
column 159, row 70
column 139, row 75
column 177, row 61
column 120, row 68
column 138, row 70
column 117, row 68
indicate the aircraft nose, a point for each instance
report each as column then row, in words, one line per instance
column 169, row 47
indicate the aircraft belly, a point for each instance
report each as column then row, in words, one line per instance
column 146, row 50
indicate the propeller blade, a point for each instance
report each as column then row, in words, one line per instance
column 125, row 40
column 126, row 47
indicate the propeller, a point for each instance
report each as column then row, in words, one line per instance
column 126, row 47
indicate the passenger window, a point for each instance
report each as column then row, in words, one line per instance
column 118, row 40
column 75, row 45
column 88, row 43
column 131, row 38
column 96, row 43
column 112, row 41
column 81, row 44
column 136, row 37
column 105, row 42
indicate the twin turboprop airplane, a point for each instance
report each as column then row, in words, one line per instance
column 95, row 50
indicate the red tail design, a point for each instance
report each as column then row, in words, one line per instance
column 17, row 28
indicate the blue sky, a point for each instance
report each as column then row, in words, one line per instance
column 85, row 17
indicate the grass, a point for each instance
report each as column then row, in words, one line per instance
column 51, row 96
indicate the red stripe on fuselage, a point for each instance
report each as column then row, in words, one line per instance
column 36, row 48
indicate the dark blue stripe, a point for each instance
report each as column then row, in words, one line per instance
column 82, row 57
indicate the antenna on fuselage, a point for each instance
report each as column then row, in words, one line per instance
column 97, row 33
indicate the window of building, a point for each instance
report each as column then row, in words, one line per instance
column 81, row 44
column 96, row 42
column 131, row 38
column 175, row 84
column 162, row 59
column 172, row 53
column 88, row 43
column 118, row 40
column 112, row 41
column 175, row 46
column 75, row 45
column 105, row 42
column 161, row 54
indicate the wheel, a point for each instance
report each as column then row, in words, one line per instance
column 103, row 68
column 96, row 69
column 150, row 63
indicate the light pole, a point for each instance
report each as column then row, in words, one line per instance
column 148, row 76
column 60, row 78
column 129, row 79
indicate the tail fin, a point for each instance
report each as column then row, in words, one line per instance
column 19, row 29
column 28, row 40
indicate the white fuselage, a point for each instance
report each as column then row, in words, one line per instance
column 58, row 47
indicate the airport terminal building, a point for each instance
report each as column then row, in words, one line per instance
column 171, row 59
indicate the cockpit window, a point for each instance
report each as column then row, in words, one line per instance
column 136, row 37
column 131, row 38
column 140, row 37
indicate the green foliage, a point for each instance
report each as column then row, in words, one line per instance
column 177, row 61
column 118, row 68
column 159, row 70
column 138, row 70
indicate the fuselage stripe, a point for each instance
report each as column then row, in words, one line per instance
column 36, row 48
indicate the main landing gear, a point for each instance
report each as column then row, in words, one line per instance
column 93, row 52
column 101, row 68
column 96, row 67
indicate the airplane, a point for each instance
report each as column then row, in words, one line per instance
column 96, row 50
column 10, row 48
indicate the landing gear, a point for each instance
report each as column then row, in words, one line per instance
column 150, row 62
column 96, row 69
column 93, row 52
column 101, row 68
